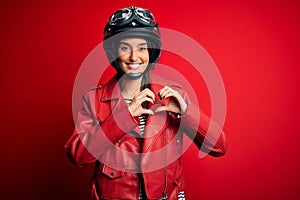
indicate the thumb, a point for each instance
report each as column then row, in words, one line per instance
column 148, row 111
column 160, row 109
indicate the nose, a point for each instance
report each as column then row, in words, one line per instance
column 133, row 55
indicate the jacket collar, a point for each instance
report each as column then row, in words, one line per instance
column 111, row 90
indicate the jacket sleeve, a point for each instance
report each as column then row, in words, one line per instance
column 90, row 138
column 206, row 134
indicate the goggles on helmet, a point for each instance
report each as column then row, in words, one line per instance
column 125, row 14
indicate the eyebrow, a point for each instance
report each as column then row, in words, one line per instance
column 141, row 44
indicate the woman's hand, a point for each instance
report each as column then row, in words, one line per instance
column 135, row 107
column 176, row 103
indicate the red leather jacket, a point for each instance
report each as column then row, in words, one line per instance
column 106, row 134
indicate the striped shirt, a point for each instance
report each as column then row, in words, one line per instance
column 142, row 195
column 142, row 119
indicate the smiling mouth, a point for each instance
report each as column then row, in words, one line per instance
column 133, row 65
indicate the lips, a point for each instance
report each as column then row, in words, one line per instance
column 133, row 65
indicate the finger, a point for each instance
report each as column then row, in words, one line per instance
column 141, row 96
column 160, row 109
column 165, row 91
column 162, row 90
column 167, row 95
column 149, row 99
column 138, row 102
column 171, row 94
column 145, row 92
column 147, row 111
column 143, row 99
column 148, row 92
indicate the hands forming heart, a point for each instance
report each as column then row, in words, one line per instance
column 174, row 104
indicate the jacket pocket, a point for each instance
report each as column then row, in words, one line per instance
column 113, row 172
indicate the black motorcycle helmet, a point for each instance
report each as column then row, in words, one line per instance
column 127, row 23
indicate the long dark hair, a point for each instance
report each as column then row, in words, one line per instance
column 145, row 84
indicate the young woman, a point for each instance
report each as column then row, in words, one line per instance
column 131, row 127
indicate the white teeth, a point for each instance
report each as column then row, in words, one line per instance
column 134, row 65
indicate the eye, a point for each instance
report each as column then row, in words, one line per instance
column 142, row 48
column 125, row 48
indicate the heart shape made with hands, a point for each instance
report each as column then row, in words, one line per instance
column 168, row 104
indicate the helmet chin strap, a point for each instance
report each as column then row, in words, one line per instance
column 134, row 76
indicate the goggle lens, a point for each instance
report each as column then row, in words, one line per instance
column 119, row 16
column 125, row 14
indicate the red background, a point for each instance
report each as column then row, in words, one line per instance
column 255, row 45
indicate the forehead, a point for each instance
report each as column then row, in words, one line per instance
column 133, row 41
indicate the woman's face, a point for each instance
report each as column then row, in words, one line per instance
column 133, row 55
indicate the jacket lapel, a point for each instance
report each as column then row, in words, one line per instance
column 154, row 130
column 156, row 124
column 107, row 96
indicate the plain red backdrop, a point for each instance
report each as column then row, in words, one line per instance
column 255, row 45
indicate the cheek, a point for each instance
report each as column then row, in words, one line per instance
column 122, row 57
column 146, row 57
